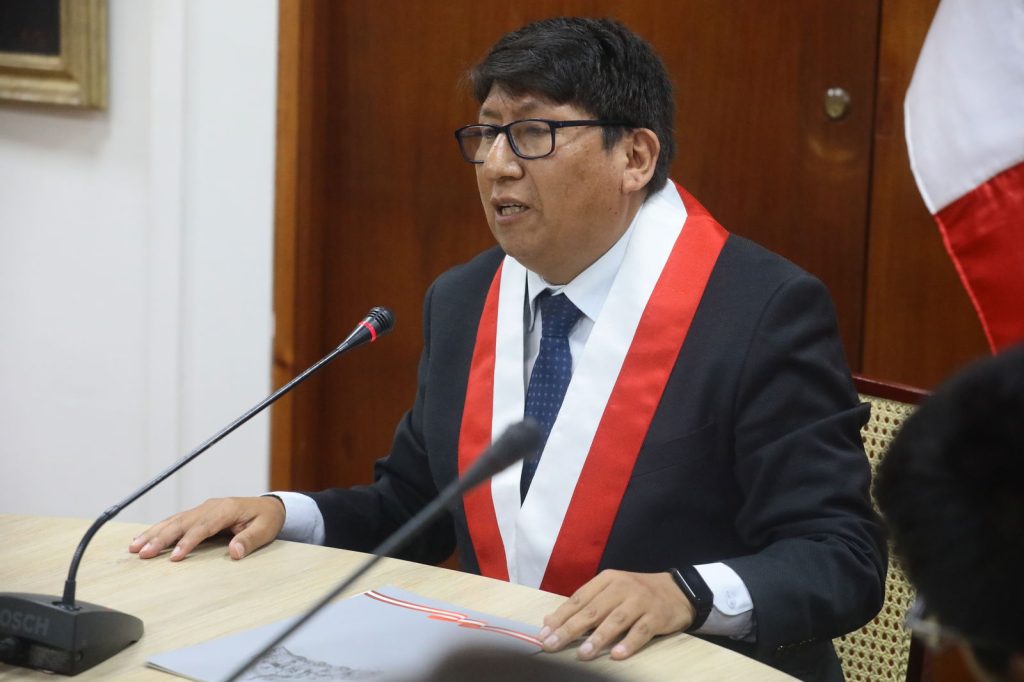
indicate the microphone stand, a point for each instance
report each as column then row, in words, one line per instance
column 68, row 637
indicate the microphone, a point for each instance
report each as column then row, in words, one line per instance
column 377, row 322
column 513, row 445
column 64, row 636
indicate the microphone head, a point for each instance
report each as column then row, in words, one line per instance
column 378, row 321
column 518, row 441
column 381, row 318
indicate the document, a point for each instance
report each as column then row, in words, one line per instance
column 381, row 634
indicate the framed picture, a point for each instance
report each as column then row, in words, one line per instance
column 54, row 52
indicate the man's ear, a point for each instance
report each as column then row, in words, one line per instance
column 642, row 148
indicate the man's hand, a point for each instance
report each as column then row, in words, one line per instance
column 617, row 603
column 253, row 521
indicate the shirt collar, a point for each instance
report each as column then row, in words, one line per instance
column 589, row 289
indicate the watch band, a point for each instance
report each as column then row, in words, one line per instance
column 697, row 591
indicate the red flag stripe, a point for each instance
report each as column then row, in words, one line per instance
column 984, row 234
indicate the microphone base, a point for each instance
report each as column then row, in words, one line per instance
column 37, row 631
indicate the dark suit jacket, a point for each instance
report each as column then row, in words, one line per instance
column 753, row 457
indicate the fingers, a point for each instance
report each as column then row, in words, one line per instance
column 611, row 628
column 154, row 540
column 193, row 528
column 260, row 530
column 617, row 606
column 254, row 520
column 575, row 616
column 639, row 634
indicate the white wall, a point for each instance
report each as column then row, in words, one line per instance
column 135, row 267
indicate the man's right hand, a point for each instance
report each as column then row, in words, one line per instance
column 252, row 521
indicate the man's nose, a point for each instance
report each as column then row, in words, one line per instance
column 501, row 161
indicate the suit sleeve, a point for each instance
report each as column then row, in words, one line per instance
column 805, row 479
column 362, row 517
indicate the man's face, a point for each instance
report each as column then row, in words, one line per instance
column 558, row 214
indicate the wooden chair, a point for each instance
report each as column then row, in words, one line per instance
column 882, row 651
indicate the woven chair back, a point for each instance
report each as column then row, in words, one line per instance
column 881, row 650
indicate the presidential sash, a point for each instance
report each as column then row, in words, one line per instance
column 555, row 538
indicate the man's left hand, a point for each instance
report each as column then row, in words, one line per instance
column 616, row 603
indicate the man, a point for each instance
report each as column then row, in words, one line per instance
column 950, row 489
column 703, row 468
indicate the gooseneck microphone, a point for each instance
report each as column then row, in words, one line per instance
column 64, row 636
column 517, row 442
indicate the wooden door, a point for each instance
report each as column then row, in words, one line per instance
column 919, row 324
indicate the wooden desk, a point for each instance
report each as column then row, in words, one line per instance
column 209, row 595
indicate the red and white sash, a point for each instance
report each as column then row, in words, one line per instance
column 554, row 539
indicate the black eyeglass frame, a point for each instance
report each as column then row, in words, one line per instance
column 553, row 126
column 935, row 636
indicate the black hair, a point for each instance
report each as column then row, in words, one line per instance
column 950, row 489
column 596, row 64
column 501, row 665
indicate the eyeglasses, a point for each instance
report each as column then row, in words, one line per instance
column 530, row 138
column 936, row 636
column 927, row 628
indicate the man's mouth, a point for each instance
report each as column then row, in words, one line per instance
column 510, row 209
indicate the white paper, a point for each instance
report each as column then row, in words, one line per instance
column 380, row 634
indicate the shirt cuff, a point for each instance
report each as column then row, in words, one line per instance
column 733, row 612
column 303, row 521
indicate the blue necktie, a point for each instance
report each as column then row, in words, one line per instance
column 551, row 373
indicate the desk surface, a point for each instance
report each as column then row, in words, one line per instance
column 208, row 595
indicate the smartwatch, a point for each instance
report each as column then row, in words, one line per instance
column 697, row 591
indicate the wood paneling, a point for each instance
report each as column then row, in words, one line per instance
column 755, row 144
column 919, row 324
column 299, row 261
column 377, row 201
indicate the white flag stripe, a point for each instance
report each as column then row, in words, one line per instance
column 964, row 110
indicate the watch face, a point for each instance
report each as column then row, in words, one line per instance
column 697, row 591
column 684, row 585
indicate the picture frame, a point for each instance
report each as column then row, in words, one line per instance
column 54, row 52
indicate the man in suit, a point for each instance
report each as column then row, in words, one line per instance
column 950, row 490
column 702, row 467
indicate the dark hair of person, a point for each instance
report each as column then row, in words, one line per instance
column 951, row 488
column 598, row 65
column 501, row 665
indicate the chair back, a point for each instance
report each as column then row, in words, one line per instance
column 882, row 650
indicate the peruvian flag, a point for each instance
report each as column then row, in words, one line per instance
column 965, row 133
